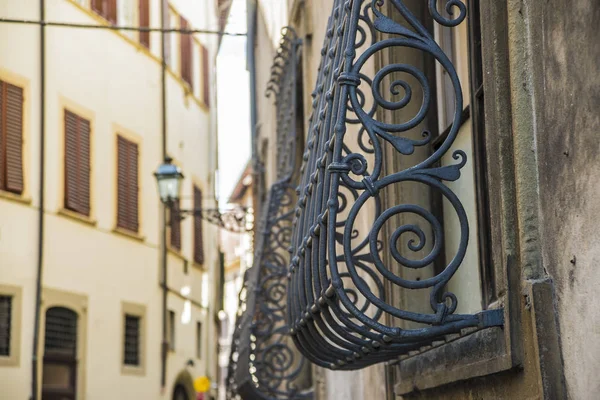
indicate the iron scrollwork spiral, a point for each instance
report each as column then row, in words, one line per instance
column 345, row 235
column 264, row 363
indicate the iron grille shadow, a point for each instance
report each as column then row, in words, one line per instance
column 264, row 363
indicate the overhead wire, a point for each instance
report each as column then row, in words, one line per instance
column 117, row 27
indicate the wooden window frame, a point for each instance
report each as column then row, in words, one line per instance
column 139, row 311
column 131, row 177
column 473, row 114
column 16, row 294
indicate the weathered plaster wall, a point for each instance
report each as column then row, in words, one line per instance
column 569, row 169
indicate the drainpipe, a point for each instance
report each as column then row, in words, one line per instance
column 40, row 260
column 252, row 8
column 163, row 233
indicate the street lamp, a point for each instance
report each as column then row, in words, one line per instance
column 169, row 177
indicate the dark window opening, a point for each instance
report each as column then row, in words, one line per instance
column 59, row 377
column 171, row 330
column 5, row 324
column 480, row 153
column 132, row 340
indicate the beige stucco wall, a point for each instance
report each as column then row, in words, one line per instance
column 115, row 84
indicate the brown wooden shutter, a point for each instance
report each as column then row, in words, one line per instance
column 205, row 75
column 14, row 138
column 186, row 53
column 175, row 223
column 122, row 180
column 71, row 150
column 106, row 8
column 84, row 166
column 98, row 6
column 133, row 188
column 144, row 11
column 2, row 136
column 127, row 185
column 111, row 11
column 198, row 240
column 77, row 163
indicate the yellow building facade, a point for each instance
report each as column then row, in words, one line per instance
column 98, row 330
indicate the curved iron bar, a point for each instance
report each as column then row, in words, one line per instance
column 264, row 364
column 337, row 309
column 233, row 220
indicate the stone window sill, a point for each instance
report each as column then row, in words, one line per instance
column 77, row 217
column 458, row 357
column 129, row 234
column 14, row 197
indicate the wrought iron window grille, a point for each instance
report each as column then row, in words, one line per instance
column 264, row 363
column 234, row 219
column 337, row 307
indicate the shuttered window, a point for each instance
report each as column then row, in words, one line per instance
column 127, row 185
column 144, row 16
column 106, row 9
column 77, row 163
column 5, row 324
column 205, row 74
column 186, row 53
column 175, row 225
column 59, row 373
column 11, row 138
column 131, row 347
column 198, row 242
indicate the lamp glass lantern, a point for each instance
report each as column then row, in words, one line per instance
column 168, row 177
